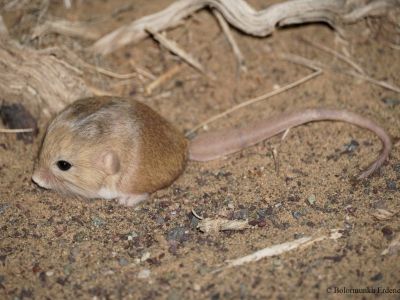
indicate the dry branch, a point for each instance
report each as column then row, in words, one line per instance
column 3, row 28
column 64, row 27
column 235, row 48
column 280, row 249
column 39, row 81
column 242, row 16
column 174, row 48
column 209, row 225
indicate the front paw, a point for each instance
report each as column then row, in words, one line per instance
column 132, row 200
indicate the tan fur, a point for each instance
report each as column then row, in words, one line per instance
column 162, row 153
column 150, row 152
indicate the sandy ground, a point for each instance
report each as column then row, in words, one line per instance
column 58, row 247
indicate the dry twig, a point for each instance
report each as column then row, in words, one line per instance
column 22, row 130
column 242, row 16
column 280, row 249
column 170, row 73
column 236, row 50
column 67, row 28
column 304, row 61
column 209, row 225
column 336, row 54
column 174, row 48
column 254, row 100
column 3, row 28
column 394, row 247
column 380, row 83
column 142, row 71
column 25, row 75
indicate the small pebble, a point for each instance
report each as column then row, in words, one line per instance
column 98, row 222
column 298, row 235
column 253, row 222
column 49, row 273
column 160, row 220
column 296, row 214
column 109, row 272
column 145, row 256
column 311, row 199
column 17, row 116
column 80, row 236
column 391, row 185
column 396, row 168
column 143, row 274
column 241, row 214
column 350, row 147
column 391, row 101
column 194, row 222
column 377, row 277
column 42, row 277
column 179, row 234
column 123, row 262
column 3, row 207
column 174, row 295
column 262, row 212
column 132, row 235
column 262, row 223
column 387, row 232
column 67, row 270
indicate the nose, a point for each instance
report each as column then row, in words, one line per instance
column 38, row 179
column 35, row 179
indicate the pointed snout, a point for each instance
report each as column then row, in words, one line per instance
column 41, row 178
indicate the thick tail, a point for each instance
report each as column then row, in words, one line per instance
column 210, row 146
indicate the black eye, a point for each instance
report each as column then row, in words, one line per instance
column 63, row 165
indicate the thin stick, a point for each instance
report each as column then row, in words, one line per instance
column 285, row 134
column 141, row 70
column 3, row 27
column 306, row 62
column 236, row 50
column 280, row 249
column 336, row 54
column 196, row 215
column 296, row 59
column 67, row 4
column 5, row 130
column 68, row 28
column 383, row 84
column 256, row 99
column 109, row 73
column 209, row 225
column 276, row 159
column 171, row 72
column 394, row 46
column 174, row 48
column 99, row 92
column 163, row 78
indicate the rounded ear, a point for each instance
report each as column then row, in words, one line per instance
column 110, row 162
